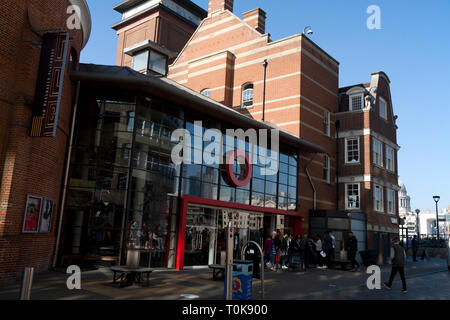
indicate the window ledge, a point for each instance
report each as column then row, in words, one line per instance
column 353, row 163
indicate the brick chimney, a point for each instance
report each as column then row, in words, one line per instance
column 219, row 5
column 256, row 18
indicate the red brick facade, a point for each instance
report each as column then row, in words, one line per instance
column 29, row 165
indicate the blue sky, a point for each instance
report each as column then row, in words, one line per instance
column 413, row 48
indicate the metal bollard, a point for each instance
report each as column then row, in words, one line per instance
column 27, row 283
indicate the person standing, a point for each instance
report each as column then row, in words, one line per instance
column 319, row 258
column 398, row 257
column 310, row 253
column 268, row 244
column 327, row 247
column 415, row 248
column 284, row 251
column 352, row 249
column 333, row 238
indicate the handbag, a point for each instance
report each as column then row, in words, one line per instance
column 278, row 256
column 323, row 254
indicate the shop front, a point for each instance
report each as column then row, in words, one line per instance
column 125, row 193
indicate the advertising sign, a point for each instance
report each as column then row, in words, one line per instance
column 49, row 85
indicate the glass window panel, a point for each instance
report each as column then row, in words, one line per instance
column 140, row 61
column 271, row 188
column 258, row 185
column 258, row 199
column 191, row 187
column 242, row 196
column 283, row 190
column 209, row 191
column 158, row 63
column 227, row 194
column 292, row 181
column 292, row 192
column 284, row 168
column 284, row 158
column 210, row 175
column 192, row 171
column 283, row 178
column 293, row 170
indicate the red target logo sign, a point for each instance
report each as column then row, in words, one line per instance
column 246, row 171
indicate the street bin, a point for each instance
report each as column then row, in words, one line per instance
column 253, row 254
column 242, row 280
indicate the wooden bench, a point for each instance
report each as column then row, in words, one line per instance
column 130, row 275
column 217, row 271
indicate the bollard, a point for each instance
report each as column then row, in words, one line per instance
column 27, row 283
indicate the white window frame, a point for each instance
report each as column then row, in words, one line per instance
column 361, row 95
column 346, row 150
column 327, row 123
column 245, row 87
column 375, row 207
column 347, row 207
column 326, row 166
column 382, row 101
column 380, row 164
column 392, row 166
column 390, row 194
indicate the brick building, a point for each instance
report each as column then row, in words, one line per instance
column 297, row 87
column 31, row 165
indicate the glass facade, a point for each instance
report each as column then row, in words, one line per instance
column 124, row 188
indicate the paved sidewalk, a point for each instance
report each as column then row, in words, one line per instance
column 426, row 280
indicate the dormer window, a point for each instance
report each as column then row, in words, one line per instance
column 356, row 102
column 356, row 98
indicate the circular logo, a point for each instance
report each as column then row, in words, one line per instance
column 246, row 171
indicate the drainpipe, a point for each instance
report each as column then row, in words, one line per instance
column 66, row 174
column 311, row 182
column 264, row 90
column 338, row 126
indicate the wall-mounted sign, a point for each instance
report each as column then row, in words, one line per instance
column 46, row 216
column 47, row 98
column 246, row 169
column 32, row 214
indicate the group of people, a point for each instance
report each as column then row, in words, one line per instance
column 315, row 251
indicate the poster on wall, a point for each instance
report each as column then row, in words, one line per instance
column 46, row 216
column 49, row 84
column 32, row 214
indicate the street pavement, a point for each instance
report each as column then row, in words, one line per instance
column 427, row 280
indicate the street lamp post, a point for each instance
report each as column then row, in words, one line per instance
column 418, row 223
column 436, row 199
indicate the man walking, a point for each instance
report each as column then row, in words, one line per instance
column 352, row 249
column 398, row 256
column 415, row 248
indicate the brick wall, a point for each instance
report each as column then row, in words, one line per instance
column 28, row 165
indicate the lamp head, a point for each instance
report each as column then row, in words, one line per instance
column 417, row 211
column 309, row 32
column 436, row 198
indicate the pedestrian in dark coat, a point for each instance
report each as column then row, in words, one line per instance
column 415, row 248
column 398, row 257
column 352, row 249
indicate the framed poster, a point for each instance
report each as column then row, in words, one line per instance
column 32, row 214
column 45, row 223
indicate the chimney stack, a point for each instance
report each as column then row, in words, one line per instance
column 256, row 18
column 219, row 5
